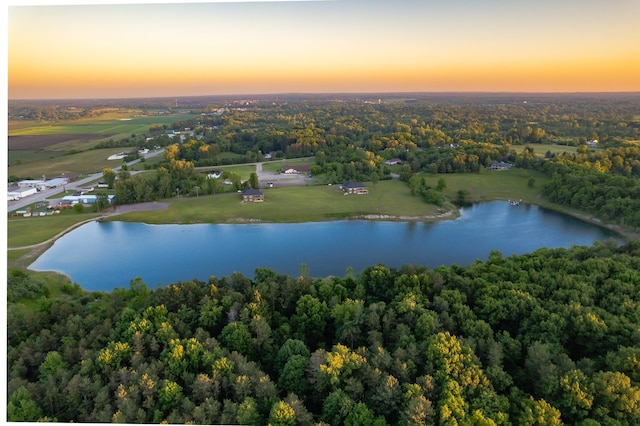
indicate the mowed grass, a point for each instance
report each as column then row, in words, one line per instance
column 541, row 149
column 33, row 230
column 91, row 161
column 276, row 165
column 291, row 204
column 493, row 185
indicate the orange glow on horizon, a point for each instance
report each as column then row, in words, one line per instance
column 89, row 52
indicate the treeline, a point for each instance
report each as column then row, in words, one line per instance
column 550, row 337
column 52, row 112
column 621, row 160
column 612, row 198
column 420, row 131
column 174, row 177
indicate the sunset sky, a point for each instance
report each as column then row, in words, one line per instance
column 183, row 49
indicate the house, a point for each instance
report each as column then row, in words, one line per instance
column 271, row 154
column 289, row 170
column 251, row 195
column 354, row 188
column 393, row 162
column 500, row 165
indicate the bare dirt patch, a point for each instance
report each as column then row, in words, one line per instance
column 140, row 207
column 42, row 142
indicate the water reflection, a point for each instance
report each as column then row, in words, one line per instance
column 102, row 256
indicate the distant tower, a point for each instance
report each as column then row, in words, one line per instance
column 176, row 102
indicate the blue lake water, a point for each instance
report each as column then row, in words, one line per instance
column 106, row 255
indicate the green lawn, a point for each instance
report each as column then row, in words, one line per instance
column 291, row 204
column 493, row 185
column 276, row 165
column 541, row 149
column 34, row 230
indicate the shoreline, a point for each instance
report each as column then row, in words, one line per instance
column 626, row 233
column 33, row 251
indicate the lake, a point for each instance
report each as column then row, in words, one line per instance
column 105, row 255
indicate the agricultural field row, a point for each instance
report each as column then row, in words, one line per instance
column 50, row 149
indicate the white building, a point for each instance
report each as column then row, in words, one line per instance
column 84, row 199
column 20, row 193
column 30, row 183
column 118, row 156
column 52, row 183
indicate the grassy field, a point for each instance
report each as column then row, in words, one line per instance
column 276, row 165
column 85, row 162
column 272, row 166
column 493, row 185
column 541, row 149
column 119, row 122
column 291, row 204
column 34, row 230
column 40, row 148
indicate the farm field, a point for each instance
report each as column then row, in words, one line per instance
column 36, row 149
column 115, row 123
column 92, row 161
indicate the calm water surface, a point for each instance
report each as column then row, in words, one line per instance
column 105, row 255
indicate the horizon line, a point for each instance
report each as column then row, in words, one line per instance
column 238, row 95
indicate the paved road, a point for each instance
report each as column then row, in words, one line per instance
column 266, row 179
column 44, row 195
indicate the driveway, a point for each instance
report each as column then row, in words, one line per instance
column 278, row 179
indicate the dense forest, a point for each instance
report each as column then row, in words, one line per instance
column 352, row 139
column 547, row 338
